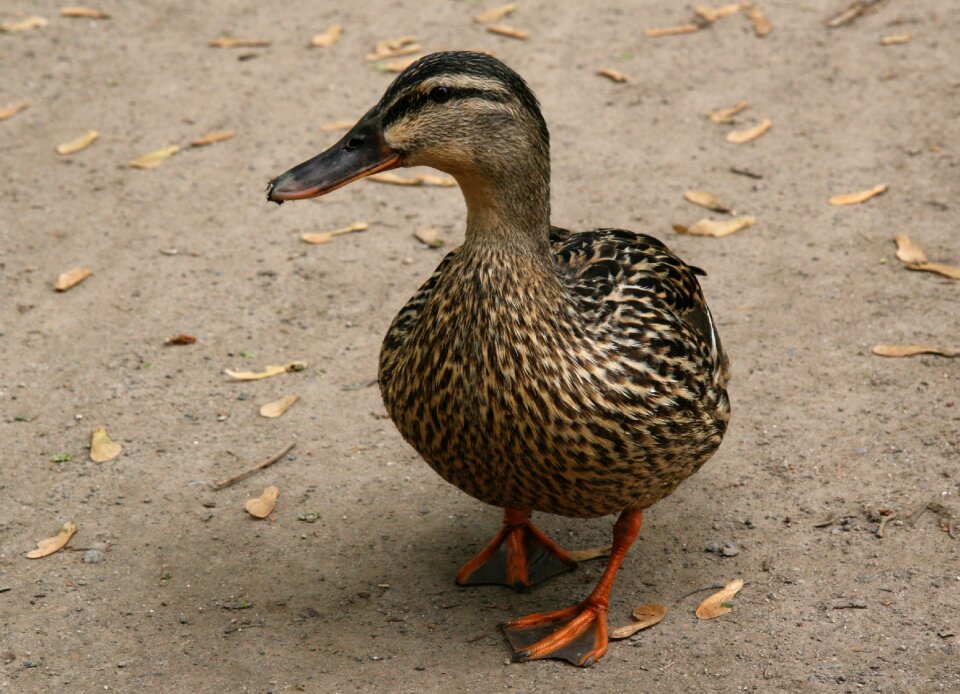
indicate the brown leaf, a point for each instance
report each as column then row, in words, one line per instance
column 213, row 137
column 152, row 160
column 429, row 237
column 14, row 108
column 851, row 12
column 858, row 197
column 712, row 14
column 328, row 236
column 908, row 251
column 591, row 553
column 420, row 180
column 50, row 545
column 263, row 505
column 84, row 13
column 715, row 605
column 328, row 37
column 725, row 115
column 672, row 31
column 720, row 228
column 393, row 48
column 276, row 408
column 614, row 75
column 230, row 42
column 271, row 370
column 23, row 25
column 79, row 144
column 102, row 447
column 913, row 350
column 495, row 13
column 180, row 340
column 71, row 278
column 336, row 125
column 438, row 181
column 739, row 137
column 895, row 40
column 762, row 26
column 645, row 616
column 938, row 268
column 706, row 199
column 509, row 32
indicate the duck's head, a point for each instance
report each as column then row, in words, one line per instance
column 464, row 113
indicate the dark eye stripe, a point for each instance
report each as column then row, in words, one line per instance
column 416, row 100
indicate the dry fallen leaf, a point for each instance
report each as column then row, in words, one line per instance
column 71, row 278
column 429, row 237
column 725, row 115
column 422, row 179
column 717, row 604
column 645, row 616
column 230, row 42
column 328, row 236
column 761, row 24
column 509, row 32
column 398, row 65
column 213, row 137
column 23, row 25
column 271, row 370
column 50, row 545
column 102, row 447
column 614, row 75
column 180, row 340
column 717, row 228
column 851, row 12
column 672, row 31
column 895, row 40
column 913, row 350
column 591, row 553
column 79, row 144
column 276, row 408
column 439, row 181
column 707, row 199
column 328, row 37
column 938, row 268
column 495, row 13
column 336, row 125
column 712, row 14
column 858, row 197
column 739, row 137
column 393, row 48
column 14, row 108
column 152, row 160
column 908, row 251
column 263, row 505
column 84, row 13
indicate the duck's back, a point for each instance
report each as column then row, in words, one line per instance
column 594, row 387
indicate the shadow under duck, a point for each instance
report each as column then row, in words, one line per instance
column 537, row 369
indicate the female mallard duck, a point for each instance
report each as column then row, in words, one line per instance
column 537, row 369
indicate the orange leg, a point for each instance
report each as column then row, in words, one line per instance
column 581, row 637
column 519, row 556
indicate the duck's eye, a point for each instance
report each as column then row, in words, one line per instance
column 440, row 94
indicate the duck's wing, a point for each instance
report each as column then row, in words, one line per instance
column 634, row 293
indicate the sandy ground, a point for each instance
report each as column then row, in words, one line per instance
column 184, row 592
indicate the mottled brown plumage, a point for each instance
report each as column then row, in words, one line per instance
column 537, row 369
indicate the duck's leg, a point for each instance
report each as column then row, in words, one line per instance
column 577, row 634
column 519, row 556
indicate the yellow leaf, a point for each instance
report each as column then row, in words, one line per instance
column 706, row 199
column 672, row 31
column 428, row 237
column 276, row 408
column 509, row 32
column 912, row 350
column 328, row 236
column 79, row 144
column 50, row 545
column 761, row 24
column 721, row 228
column 714, row 606
column 614, row 75
column 263, row 505
column 725, row 115
column 84, row 13
column 271, row 370
column 908, row 251
column 102, row 447
column 72, row 278
column 336, row 125
column 495, row 13
column 644, row 616
column 213, row 137
column 393, row 48
column 395, row 179
column 229, row 42
column 439, row 181
column 895, row 40
column 858, row 197
column 712, row 14
column 14, row 108
column 328, row 37
column 739, row 137
column 938, row 268
column 152, row 160
column 23, row 25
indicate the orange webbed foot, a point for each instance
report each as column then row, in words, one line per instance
column 577, row 634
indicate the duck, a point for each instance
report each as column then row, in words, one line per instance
column 537, row 369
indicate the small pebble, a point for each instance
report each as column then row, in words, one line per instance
column 93, row 556
column 713, row 547
column 730, row 549
column 183, row 619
